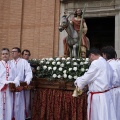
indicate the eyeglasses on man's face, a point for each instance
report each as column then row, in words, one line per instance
column 14, row 51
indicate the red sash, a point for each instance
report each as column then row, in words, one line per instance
column 92, row 93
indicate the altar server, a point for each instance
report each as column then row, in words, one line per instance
column 23, row 70
column 99, row 79
column 110, row 55
column 26, row 55
column 6, row 77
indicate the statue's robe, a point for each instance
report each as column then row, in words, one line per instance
column 76, row 25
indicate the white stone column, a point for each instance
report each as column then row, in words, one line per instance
column 117, row 34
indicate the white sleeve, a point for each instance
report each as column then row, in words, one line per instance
column 28, row 72
column 115, row 80
column 2, row 83
column 15, row 78
column 88, row 77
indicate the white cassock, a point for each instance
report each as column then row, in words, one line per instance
column 99, row 79
column 23, row 73
column 6, row 97
column 28, row 101
column 116, row 83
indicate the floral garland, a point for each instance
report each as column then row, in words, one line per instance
column 60, row 68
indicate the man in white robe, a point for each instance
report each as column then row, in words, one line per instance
column 99, row 79
column 6, row 77
column 109, row 54
column 26, row 55
column 23, row 70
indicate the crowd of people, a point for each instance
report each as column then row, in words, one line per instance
column 103, row 80
column 14, row 105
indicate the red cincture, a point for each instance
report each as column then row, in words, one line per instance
column 92, row 93
column 5, row 87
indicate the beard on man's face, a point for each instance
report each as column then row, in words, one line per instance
column 78, row 14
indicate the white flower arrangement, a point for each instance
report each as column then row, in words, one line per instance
column 60, row 68
column 75, row 68
column 44, row 67
column 64, row 75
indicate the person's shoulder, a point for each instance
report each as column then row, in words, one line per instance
column 23, row 60
column 94, row 63
column 98, row 62
column 118, row 61
column 113, row 62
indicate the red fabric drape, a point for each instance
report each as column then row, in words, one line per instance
column 52, row 104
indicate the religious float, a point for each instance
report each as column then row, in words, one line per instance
column 60, row 70
column 53, row 86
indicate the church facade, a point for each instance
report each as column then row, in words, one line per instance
column 101, row 13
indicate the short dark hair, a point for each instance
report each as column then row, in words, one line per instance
column 94, row 51
column 18, row 49
column 109, row 51
column 26, row 51
column 5, row 49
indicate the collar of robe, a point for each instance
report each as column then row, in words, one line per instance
column 110, row 60
column 16, row 61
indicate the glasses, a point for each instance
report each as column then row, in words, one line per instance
column 13, row 51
